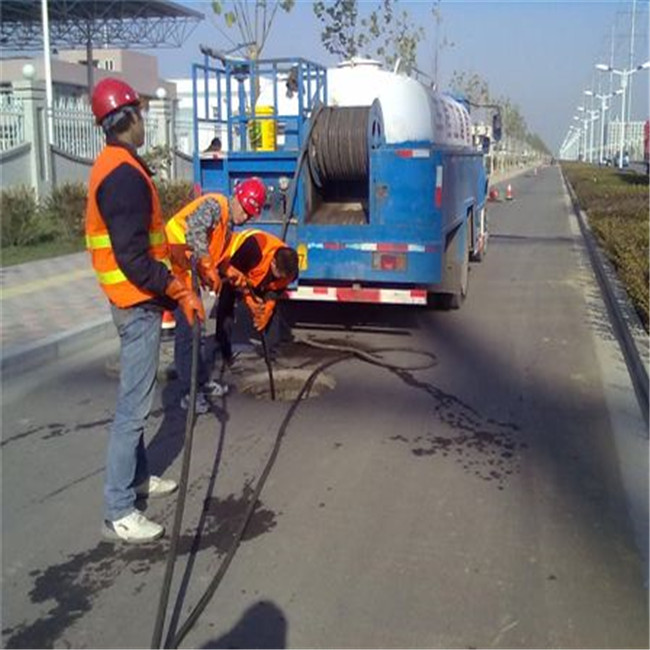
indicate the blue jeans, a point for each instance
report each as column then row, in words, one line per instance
column 183, row 354
column 126, row 464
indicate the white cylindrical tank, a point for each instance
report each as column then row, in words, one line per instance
column 411, row 111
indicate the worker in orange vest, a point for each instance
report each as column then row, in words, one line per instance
column 203, row 228
column 259, row 266
column 125, row 236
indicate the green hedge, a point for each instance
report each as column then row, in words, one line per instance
column 37, row 229
column 617, row 204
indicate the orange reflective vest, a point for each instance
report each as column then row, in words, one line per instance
column 269, row 245
column 176, row 227
column 117, row 287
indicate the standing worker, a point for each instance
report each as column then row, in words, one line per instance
column 125, row 236
column 204, row 228
column 260, row 266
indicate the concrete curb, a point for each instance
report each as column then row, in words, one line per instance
column 627, row 325
column 55, row 347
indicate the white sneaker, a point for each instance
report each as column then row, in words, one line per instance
column 134, row 528
column 214, row 389
column 155, row 486
column 202, row 404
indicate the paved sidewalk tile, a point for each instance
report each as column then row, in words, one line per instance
column 46, row 298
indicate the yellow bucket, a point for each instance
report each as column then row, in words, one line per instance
column 266, row 129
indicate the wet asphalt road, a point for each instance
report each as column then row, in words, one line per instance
column 496, row 499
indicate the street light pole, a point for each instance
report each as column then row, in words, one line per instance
column 623, row 74
column 603, row 108
column 621, row 140
column 585, row 131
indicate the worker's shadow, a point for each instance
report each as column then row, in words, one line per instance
column 263, row 625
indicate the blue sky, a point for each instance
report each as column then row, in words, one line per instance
column 540, row 54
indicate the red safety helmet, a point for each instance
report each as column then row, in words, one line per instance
column 251, row 193
column 111, row 94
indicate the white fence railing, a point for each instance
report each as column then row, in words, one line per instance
column 12, row 122
column 74, row 129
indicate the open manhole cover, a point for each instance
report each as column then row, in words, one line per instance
column 288, row 383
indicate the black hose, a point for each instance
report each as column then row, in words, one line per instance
column 218, row 577
column 347, row 353
column 267, row 360
column 185, row 470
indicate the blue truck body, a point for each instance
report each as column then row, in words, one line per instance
column 414, row 224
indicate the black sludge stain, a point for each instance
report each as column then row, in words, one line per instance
column 71, row 587
column 486, row 448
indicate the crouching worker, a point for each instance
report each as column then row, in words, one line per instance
column 203, row 228
column 125, row 236
column 258, row 266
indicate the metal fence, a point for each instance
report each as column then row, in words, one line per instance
column 12, row 122
column 74, row 130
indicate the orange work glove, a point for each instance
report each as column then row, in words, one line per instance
column 208, row 273
column 261, row 311
column 236, row 278
column 187, row 300
column 178, row 256
column 264, row 316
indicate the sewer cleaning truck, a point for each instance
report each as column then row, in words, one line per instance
column 371, row 175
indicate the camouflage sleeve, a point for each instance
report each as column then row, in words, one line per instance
column 200, row 225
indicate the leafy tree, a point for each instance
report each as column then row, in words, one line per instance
column 252, row 18
column 385, row 33
column 471, row 86
column 339, row 21
column 514, row 125
column 476, row 90
column 439, row 45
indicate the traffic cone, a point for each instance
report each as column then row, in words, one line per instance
column 168, row 324
column 509, row 196
column 494, row 194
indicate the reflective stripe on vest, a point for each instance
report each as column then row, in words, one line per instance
column 96, row 242
column 117, row 276
column 117, row 287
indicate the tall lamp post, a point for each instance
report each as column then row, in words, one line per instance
column 623, row 74
column 591, row 113
column 582, row 111
column 572, row 146
column 603, row 107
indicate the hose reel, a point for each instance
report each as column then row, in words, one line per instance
column 340, row 142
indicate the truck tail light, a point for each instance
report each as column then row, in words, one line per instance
column 389, row 261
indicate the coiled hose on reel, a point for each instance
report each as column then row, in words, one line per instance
column 338, row 146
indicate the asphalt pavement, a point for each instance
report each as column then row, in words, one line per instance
column 498, row 498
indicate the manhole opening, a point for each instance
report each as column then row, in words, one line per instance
column 288, row 384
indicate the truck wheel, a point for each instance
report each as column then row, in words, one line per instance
column 455, row 300
column 479, row 254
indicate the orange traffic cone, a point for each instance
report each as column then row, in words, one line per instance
column 509, row 196
column 168, row 324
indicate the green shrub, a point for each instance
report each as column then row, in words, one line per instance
column 65, row 210
column 21, row 218
column 173, row 196
column 617, row 205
